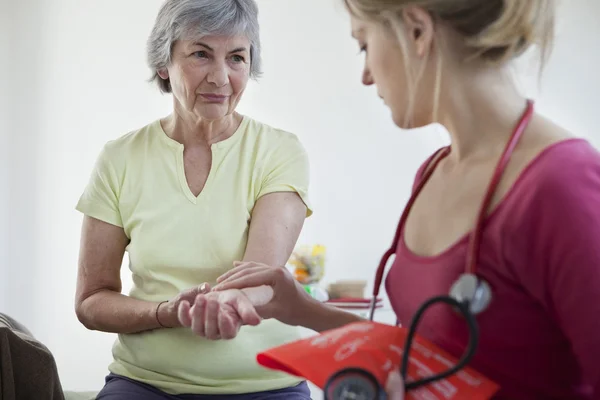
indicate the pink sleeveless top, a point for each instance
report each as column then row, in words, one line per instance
column 540, row 252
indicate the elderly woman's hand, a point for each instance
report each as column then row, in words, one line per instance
column 167, row 311
column 220, row 315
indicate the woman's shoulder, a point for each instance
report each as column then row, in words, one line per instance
column 555, row 158
column 564, row 166
column 562, row 183
column 269, row 137
column 127, row 144
column 136, row 136
column 269, row 131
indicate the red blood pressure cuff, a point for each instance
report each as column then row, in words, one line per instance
column 377, row 349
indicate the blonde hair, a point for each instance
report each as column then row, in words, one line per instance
column 493, row 32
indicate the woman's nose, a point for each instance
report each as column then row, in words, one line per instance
column 218, row 74
column 367, row 79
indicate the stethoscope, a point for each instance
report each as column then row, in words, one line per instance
column 469, row 295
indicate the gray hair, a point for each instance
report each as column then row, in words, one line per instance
column 179, row 19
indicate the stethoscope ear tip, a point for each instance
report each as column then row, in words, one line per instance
column 472, row 291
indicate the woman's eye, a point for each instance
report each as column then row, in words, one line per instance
column 200, row 54
column 237, row 59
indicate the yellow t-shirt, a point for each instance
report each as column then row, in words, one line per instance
column 178, row 241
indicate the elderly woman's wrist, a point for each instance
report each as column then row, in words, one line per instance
column 259, row 296
column 166, row 315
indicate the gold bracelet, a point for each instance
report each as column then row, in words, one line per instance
column 157, row 319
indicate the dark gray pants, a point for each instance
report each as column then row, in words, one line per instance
column 121, row 388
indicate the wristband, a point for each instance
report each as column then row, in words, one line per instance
column 158, row 319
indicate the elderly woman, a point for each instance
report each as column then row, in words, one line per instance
column 186, row 196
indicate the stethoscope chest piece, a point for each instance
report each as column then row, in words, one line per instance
column 472, row 290
column 353, row 384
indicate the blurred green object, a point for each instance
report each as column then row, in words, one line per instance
column 316, row 292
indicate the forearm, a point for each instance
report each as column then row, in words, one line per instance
column 113, row 312
column 321, row 317
column 311, row 314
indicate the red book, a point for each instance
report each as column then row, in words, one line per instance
column 376, row 348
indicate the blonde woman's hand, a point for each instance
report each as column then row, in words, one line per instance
column 395, row 386
column 288, row 301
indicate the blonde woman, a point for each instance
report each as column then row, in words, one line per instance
column 446, row 61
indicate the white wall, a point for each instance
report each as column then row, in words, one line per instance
column 79, row 80
column 5, row 30
column 24, row 59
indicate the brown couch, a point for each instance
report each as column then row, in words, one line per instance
column 27, row 368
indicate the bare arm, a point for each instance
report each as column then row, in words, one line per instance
column 273, row 291
column 276, row 224
column 268, row 286
column 99, row 304
column 321, row 317
column 277, row 220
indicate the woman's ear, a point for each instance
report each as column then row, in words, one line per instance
column 420, row 28
column 163, row 73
